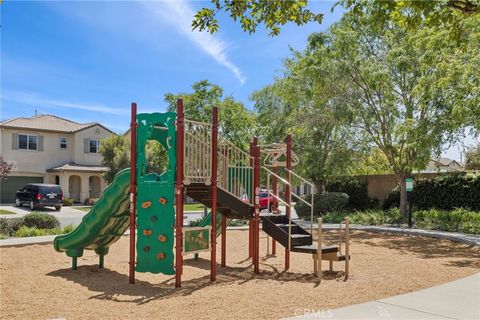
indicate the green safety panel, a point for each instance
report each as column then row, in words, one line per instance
column 206, row 221
column 155, row 196
column 241, row 174
column 196, row 240
column 104, row 224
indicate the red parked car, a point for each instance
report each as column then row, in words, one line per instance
column 267, row 201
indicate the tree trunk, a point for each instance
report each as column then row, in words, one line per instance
column 319, row 186
column 403, row 195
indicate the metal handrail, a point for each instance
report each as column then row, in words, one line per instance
column 276, row 175
column 299, row 177
column 312, row 186
column 269, row 173
column 224, row 141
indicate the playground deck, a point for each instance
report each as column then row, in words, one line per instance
column 37, row 283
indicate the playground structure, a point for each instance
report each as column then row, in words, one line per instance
column 213, row 171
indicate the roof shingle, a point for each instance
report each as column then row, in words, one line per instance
column 46, row 122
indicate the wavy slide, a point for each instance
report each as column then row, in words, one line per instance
column 103, row 225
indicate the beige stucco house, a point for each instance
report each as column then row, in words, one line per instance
column 443, row 165
column 49, row 149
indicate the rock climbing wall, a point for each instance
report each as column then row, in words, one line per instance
column 155, row 196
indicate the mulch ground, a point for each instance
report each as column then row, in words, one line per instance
column 37, row 283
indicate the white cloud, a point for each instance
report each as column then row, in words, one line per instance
column 179, row 15
column 35, row 100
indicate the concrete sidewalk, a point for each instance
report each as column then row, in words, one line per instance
column 458, row 299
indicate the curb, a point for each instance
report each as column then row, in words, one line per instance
column 469, row 239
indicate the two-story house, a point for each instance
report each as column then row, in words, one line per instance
column 50, row 149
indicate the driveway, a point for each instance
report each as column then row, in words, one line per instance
column 66, row 216
column 70, row 215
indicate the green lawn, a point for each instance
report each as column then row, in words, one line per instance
column 193, row 207
column 186, row 207
column 3, row 211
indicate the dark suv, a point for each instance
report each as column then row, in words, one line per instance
column 39, row 195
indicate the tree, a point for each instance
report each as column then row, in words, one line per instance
column 302, row 103
column 236, row 123
column 115, row 151
column 373, row 161
column 411, row 92
column 472, row 158
column 275, row 14
column 5, row 168
column 251, row 13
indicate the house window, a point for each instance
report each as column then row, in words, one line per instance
column 94, row 144
column 63, row 143
column 306, row 189
column 27, row 142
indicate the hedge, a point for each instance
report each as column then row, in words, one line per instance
column 457, row 220
column 323, row 203
column 445, row 192
column 357, row 191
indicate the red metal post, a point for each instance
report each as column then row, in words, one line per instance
column 179, row 196
column 250, row 221
column 256, row 220
column 288, row 195
column 213, row 256
column 224, row 220
column 275, row 207
column 224, row 241
column 133, row 190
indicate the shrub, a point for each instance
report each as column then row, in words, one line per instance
column 392, row 199
column 448, row 192
column 445, row 192
column 357, row 191
column 323, row 203
column 41, row 221
column 238, row 223
column 68, row 202
column 368, row 217
column 90, row 201
column 458, row 220
column 25, row 231
column 8, row 227
column 68, row 228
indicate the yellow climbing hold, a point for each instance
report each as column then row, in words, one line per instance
column 146, row 204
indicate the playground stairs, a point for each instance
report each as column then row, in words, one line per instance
column 227, row 204
column 276, row 226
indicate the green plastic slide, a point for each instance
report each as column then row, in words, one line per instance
column 103, row 225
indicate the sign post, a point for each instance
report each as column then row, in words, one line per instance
column 409, row 189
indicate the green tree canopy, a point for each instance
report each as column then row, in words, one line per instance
column 115, row 151
column 472, row 158
column 236, row 123
column 275, row 14
column 411, row 91
column 303, row 103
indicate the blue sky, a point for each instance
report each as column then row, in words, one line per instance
column 87, row 61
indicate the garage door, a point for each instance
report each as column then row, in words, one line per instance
column 12, row 184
